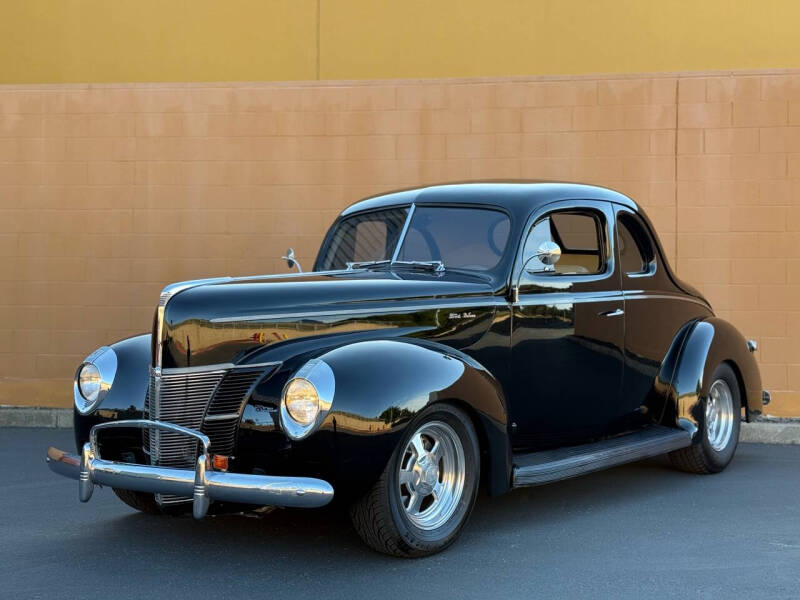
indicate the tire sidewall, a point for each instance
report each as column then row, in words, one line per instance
column 422, row 540
column 719, row 459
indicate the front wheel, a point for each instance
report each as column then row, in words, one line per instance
column 425, row 494
column 716, row 442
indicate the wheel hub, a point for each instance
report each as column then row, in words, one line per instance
column 425, row 475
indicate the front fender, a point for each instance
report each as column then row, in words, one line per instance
column 707, row 343
column 381, row 385
column 125, row 399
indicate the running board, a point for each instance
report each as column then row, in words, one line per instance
column 537, row 468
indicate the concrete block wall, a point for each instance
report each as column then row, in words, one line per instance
column 108, row 192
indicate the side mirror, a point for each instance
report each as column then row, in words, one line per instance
column 291, row 261
column 548, row 253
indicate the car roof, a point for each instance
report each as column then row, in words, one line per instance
column 518, row 197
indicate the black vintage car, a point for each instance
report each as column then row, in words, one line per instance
column 495, row 334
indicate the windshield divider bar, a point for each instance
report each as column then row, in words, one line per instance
column 402, row 237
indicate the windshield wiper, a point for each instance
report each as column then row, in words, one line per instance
column 436, row 266
column 363, row 264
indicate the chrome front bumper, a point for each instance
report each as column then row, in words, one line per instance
column 202, row 485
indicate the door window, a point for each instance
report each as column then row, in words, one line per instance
column 578, row 235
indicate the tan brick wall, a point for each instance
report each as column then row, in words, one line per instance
column 107, row 192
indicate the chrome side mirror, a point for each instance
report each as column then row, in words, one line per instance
column 291, row 261
column 548, row 253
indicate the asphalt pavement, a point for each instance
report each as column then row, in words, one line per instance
column 638, row 531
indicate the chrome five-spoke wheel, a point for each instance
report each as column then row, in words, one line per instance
column 427, row 490
column 431, row 475
column 719, row 415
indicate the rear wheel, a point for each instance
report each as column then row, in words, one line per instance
column 426, row 492
column 715, row 445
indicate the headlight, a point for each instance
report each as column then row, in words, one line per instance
column 306, row 399
column 302, row 401
column 94, row 378
column 89, row 382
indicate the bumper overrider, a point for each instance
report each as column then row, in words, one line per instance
column 202, row 485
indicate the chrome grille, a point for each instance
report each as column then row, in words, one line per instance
column 180, row 398
column 222, row 417
column 204, row 400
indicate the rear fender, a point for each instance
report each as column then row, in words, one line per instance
column 698, row 349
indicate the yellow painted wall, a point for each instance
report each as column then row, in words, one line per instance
column 265, row 40
column 57, row 41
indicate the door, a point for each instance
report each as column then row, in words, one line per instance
column 568, row 329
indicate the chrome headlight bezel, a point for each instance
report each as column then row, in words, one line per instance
column 319, row 374
column 104, row 359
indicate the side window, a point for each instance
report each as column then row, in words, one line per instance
column 577, row 233
column 635, row 248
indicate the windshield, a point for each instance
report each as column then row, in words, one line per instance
column 460, row 238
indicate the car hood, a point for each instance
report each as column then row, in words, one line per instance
column 226, row 321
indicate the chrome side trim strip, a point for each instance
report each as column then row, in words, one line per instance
column 362, row 311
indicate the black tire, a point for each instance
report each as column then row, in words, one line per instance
column 380, row 517
column 146, row 503
column 701, row 457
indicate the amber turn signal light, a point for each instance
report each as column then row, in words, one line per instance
column 220, row 462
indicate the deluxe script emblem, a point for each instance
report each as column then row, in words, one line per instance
column 464, row 315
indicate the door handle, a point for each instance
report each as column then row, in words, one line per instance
column 617, row 312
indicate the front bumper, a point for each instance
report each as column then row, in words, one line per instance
column 202, row 485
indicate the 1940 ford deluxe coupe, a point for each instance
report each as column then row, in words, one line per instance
column 496, row 334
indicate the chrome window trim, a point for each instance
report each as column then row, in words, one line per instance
column 648, row 272
column 605, row 250
column 606, row 210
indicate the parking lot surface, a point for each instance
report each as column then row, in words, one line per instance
column 643, row 530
